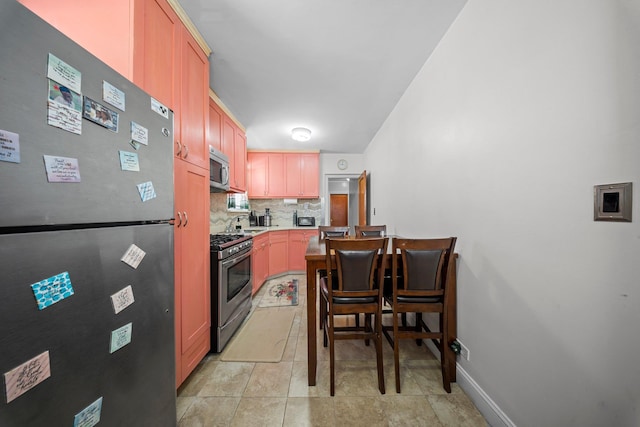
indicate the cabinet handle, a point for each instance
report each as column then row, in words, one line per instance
column 186, row 218
column 179, row 220
column 186, row 154
column 179, row 148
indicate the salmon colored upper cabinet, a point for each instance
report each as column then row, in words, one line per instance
column 228, row 136
column 103, row 30
column 234, row 145
column 302, row 175
column 191, row 142
column 257, row 169
column 156, row 38
column 239, row 174
column 265, row 174
column 215, row 125
column 173, row 68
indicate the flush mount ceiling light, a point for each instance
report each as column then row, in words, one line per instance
column 300, row 134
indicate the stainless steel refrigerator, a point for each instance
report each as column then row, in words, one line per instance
column 86, row 246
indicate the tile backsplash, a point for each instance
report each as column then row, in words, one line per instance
column 281, row 213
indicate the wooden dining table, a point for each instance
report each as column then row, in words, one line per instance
column 315, row 257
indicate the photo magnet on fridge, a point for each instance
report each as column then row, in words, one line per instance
column 99, row 114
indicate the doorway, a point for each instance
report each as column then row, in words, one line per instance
column 346, row 198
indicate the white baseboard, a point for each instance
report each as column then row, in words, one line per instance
column 487, row 407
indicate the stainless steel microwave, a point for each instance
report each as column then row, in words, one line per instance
column 306, row 221
column 218, row 171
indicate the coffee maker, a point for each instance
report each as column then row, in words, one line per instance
column 267, row 217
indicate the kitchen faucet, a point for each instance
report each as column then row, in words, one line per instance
column 230, row 228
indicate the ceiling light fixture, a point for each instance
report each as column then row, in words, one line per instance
column 300, row 134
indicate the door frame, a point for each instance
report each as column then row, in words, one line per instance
column 326, row 197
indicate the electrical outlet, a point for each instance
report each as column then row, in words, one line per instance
column 464, row 351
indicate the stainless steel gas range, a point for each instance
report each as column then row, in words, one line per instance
column 231, row 284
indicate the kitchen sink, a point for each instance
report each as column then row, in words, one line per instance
column 253, row 230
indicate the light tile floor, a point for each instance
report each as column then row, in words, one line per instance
column 239, row 394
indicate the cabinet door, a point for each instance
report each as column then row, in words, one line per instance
column 302, row 175
column 240, row 161
column 194, row 102
column 278, row 252
column 276, row 178
column 228, row 136
column 257, row 165
column 157, row 35
column 298, row 241
column 192, row 271
column 260, row 261
column 293, row 181
column 310, row 175
column 215, row 125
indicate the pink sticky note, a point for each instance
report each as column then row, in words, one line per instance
column 23, row 378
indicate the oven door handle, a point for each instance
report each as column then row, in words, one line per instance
column 231, row 261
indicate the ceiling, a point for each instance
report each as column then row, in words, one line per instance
column 337, row 67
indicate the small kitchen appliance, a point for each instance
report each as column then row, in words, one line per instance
column 306, row 221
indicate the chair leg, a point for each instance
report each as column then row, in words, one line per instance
column 418, row 327
column 444, row 354
column 396, row 350
column 332, row 358
column 323, row 319
column 367, row 326
column 323, row 310
column 380, row 363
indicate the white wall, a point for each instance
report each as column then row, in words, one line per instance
column 520, row 111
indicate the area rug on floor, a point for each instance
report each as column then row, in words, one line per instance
column 262, row 338
column 280, row 294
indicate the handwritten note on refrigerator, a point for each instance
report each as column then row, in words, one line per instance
column 9, row 146
column 122, row 299
column 120, row 337
column 133, row 256
column 62, row 169
column 23, row 378
column 89, row 416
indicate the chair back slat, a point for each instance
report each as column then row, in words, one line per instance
column 364, row 231
column 325, row 231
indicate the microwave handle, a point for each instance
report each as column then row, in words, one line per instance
column 225, row 175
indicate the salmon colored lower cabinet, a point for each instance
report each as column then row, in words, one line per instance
column 298, row 241
column 192, row 273
column 260, row 261
column 278, row 252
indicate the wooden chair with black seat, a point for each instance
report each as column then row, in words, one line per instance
column 350, row 288
column 329, row 231
column 420, row 286
column 370, row 231
column 325, row 231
